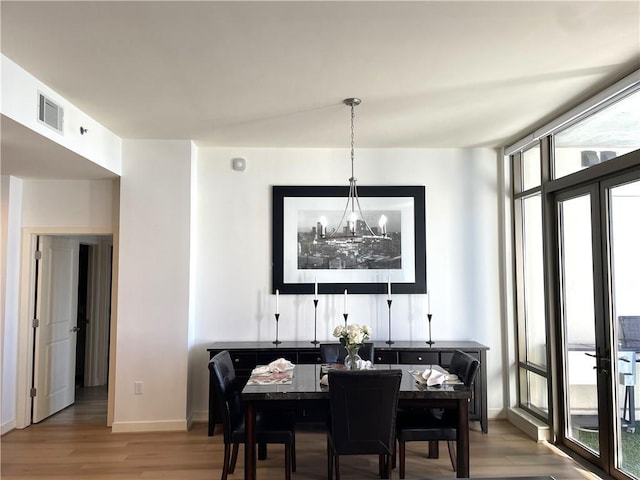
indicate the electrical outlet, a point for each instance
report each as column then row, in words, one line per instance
column 138, row 387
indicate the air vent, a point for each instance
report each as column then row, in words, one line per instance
column 50, row 113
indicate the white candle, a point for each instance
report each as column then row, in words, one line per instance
column 428, row 303
column 277, row 301
column 315, row 289
column 389, row 288
column 345, row 300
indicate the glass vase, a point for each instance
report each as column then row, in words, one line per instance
column 352, row 358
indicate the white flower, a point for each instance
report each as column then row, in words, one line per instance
column 338, row 331
column 352, row 335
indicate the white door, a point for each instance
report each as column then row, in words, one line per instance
column 55, row 337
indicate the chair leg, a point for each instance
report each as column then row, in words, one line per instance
column 225, row 464
column 401, row 452
column 293, row 454
column 287, row 461
column 393, row 456
column 336, row 460
column 388, row 464
column 434, row 449
column 262, row 451
column 234, row 458
column 329, row 460
column 381, row 466
column 452, row 453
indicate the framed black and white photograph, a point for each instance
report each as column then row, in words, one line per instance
column 362, row 244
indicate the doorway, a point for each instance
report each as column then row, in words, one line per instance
column 598, row 287
column 73, row 279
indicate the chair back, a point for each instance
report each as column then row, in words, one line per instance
column 224, row 380
column 465, row 367
column 629, row 332
column 336, row 353
column 363, row 410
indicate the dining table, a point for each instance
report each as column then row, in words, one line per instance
column 303, row 387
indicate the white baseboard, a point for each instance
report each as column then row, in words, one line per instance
column 7, row 427
column 496, row 414
column 152, row 426
column 200, row 416
column 529, row 425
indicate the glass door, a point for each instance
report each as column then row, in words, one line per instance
column 598, row 267
column 585, row 369
column 623, row 251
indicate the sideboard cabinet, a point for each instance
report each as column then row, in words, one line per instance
column 247, row 355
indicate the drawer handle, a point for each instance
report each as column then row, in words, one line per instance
column 379, row 359
column 420, row 358
column 237, row 360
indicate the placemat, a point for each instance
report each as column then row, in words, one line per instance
column 275, row 378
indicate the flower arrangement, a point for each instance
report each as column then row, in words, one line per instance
column 352, row 334
column 352, row 337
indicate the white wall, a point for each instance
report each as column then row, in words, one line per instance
column 153, row 286
column 72, row 204
column 20, row 103
column 233, row 277
column 11, row 190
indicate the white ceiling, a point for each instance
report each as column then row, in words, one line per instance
column 274, row 73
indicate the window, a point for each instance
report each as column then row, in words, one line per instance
column 568, row 278
column 599, row 137
column 532, row 337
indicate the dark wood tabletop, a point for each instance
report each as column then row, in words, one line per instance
column 306, row 385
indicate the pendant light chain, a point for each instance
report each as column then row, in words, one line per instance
column 353, row 116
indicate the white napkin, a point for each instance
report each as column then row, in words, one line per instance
column 324, row 380
column 262, row 370
column 277, row 366
column 364, row 365
column 437, row 377
column 281, row 365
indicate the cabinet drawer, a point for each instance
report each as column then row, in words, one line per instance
column 389, row 358
column 264, row 358
column 419, row 357
column 309, row 358
column 243, row 361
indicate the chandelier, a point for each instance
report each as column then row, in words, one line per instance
column 356, row 228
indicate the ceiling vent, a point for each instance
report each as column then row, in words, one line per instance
column 50, row 113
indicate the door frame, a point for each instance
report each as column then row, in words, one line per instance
column 600, row 331
column 597, row 187
column 608, row 314
column 26, row 315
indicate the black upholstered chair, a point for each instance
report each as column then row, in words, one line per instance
column 358, row 425
column 434, row 425
column 269, row 429
column 336, row 353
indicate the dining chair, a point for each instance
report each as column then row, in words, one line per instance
column 358, row 425
column 432, row 425
column 336, row 353
column 270, row 427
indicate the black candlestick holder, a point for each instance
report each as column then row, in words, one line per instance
column 389, row 342
column 345, row 315
column 430, row 342
column 315, row 322
column 276, row 341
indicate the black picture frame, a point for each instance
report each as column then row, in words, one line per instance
column 290, row 203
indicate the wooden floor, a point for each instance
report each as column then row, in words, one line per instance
column 75, row 445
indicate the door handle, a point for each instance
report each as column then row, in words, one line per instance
column 600, row 360
column 74, row 329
